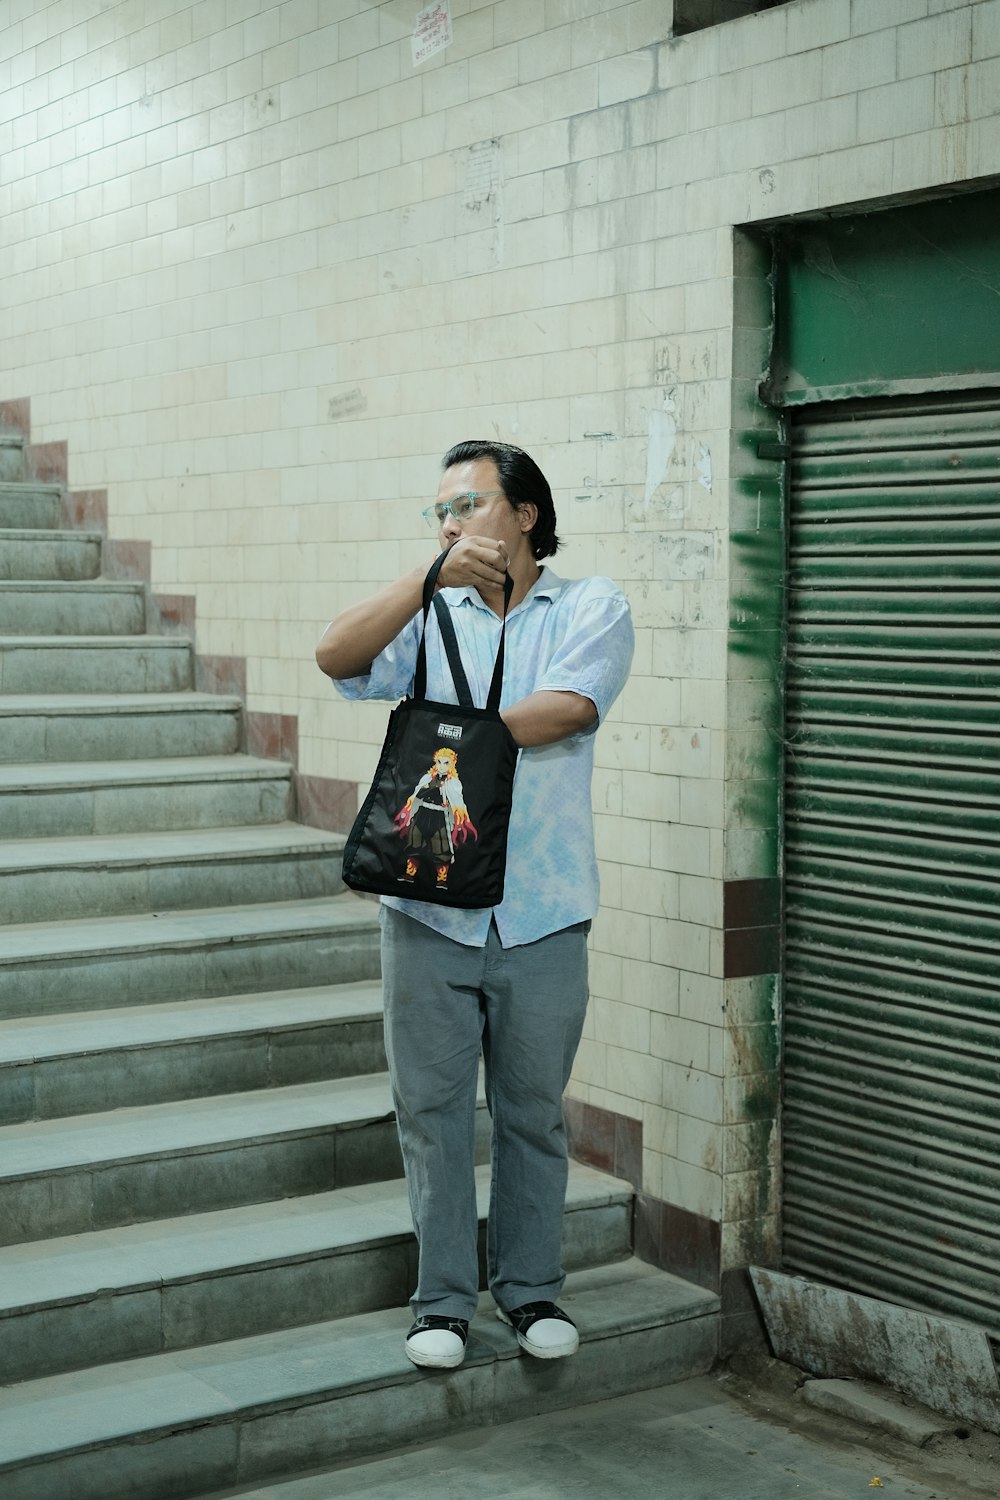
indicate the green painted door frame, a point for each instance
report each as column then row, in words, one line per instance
column 886, row 365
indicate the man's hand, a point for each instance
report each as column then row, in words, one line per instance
column 474, row 561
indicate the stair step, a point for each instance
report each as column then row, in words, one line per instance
column 86, row 664
column 96, row 608
column 47, row 968
column 101, row 797
column 179, row 1424
column 117, row 1294
column 116, row 726
column 97, row 1171
column 107, row 875
column 110, row 1059
column 31, row 552
column 25, row 506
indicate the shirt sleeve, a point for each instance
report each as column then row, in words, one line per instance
column 595, row 654
column 391, row 673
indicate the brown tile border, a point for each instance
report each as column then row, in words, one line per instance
column 751, row 920
column 85, row 510
column 15, row 416
column 47, row 463
column 126, row 559
column 221, row 674
column 671, row 1238
column 599, row 1138
column 172, row 614
column 325, row 803
column 675, row 1240
column 751, row 903
column 272, row 736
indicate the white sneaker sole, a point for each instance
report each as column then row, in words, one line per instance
column 435, row 1361
column 543, row 1351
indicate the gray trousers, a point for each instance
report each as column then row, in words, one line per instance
column 523, row 1010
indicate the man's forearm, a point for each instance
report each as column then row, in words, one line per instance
column 352, row 641
column 544, row 718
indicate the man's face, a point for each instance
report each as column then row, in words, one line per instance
column 493, row 515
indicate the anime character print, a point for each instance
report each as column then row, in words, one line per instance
column 434, row 820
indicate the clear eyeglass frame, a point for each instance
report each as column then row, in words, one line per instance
column 460, row 507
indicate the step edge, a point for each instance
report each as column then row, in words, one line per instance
column 583, row 1196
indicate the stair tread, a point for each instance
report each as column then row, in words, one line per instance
column 47, row 534
column 91, row 642
column 164, row 1392
column 45, row 1038
column 85, row 851
column 15, row 704
column 92, row 935
column 154, row 1130
column 70, row 586
column 33, row 775
column 78, row 1267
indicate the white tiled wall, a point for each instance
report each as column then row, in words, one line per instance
column 260, row 272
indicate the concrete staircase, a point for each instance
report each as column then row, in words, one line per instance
column 205, row 1245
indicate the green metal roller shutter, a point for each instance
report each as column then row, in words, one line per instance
column 892, row 836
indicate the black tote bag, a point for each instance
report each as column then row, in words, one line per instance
column 433, row 826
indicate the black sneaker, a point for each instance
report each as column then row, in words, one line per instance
column 438, row 1343
column 543, row 1329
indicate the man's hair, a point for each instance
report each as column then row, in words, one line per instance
column 522, row 482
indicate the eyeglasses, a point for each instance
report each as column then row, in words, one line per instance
column 460, row 507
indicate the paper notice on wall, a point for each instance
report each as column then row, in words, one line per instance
column 431, row 31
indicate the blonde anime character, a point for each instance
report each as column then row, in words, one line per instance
column 434, row 819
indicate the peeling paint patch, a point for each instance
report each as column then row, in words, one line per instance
column 662, row 426
column 703, row 467
column 348, row 404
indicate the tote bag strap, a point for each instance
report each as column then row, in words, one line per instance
column 451, row 644
column 452, row 652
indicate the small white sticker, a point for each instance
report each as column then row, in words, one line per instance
column 450, row 731
column 431, row 31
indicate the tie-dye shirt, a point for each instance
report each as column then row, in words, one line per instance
column 566, row 635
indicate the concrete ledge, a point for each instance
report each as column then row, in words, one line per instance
column 877, row 1408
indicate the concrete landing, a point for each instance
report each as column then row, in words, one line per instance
column 688, row 1441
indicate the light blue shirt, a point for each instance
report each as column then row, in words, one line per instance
column 566, row 635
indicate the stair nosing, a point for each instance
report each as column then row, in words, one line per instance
column 94, row 642
column 56, row 704
column 49, row 534
column 188, row 929
column 169, row 1130
column 101, row 1030
column 139, row 850
column 72, row 585
column 80, row 775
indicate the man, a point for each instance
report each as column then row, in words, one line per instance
column 510, row 983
